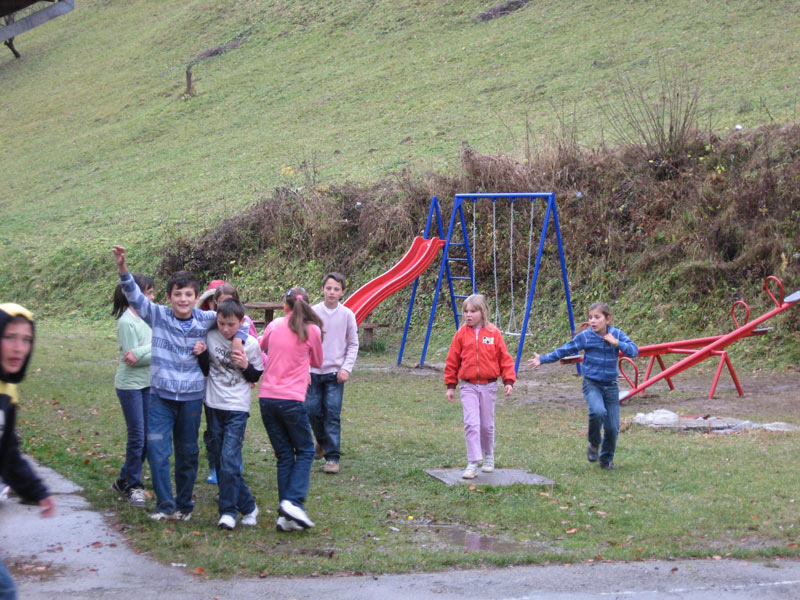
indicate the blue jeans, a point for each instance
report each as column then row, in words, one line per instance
column 286, row 422
column 227, row 437
column 173, row 423
column 134, row 405
column 603, row 402
column 324, row 406
column 8, row 589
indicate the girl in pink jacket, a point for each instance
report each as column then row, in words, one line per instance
column 293, row 343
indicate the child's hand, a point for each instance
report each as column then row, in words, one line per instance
column 48, row 505
column 534, row 362
column 611, row 339
column 199, row 348
column 342, row 376
column 119, row 258
column 450, row 394
column 130, row 358
column 509, row 389
column 239, row 358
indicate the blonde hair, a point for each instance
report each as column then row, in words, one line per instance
column 479, row 303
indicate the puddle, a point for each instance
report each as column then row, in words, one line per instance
column 451, row 536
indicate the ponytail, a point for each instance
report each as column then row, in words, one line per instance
column 302, row 313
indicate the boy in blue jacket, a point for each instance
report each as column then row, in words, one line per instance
column 177, row 385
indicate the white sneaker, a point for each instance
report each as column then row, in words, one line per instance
column 284, row 524
column 488, row 464
column 226, row 522
column 181, row 516
column 294, row 512
column 470, row 472
column 137, row 497
column 160, row 516
column 251, row 518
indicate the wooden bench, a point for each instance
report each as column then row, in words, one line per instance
column 368, row 336
column 269, row 309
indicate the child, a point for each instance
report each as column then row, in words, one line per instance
column 293, row 344
column 601, row 344
column 16, row 345
column 340, row 349
column 230, row 374
column 216, row 292
column 177, row 386
column 132, row 384
column 477, row 357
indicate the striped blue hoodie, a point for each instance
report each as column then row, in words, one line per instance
column 599, row 357
column 174, row 371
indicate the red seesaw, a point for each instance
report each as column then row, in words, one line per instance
column 700, row 349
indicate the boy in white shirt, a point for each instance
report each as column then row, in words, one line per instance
column 339, row 351
column 230, row 375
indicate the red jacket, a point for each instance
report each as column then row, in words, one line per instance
column 480, row 359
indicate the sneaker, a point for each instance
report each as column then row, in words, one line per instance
column 160, row 516
column 227, row 522
column 609, row 466
column 212, row 477
column 331, row 467
column 591, row 453
column 181, row 516
column 294, row 512
column 251, row 518
column 284, row 524
column 119, row 486
column 137, row 497
column 470, row 472
column 488, row 464
column 318, row 452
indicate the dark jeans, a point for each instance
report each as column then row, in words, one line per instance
column 603, row 402
column 173, row 423
column 286, row 422
column 227, row 437
column 324, row 406
column 8, row 589
column 134, row 405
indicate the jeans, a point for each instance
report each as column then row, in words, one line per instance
column 286, row 422
column 477, row 401
column 603, row 402
column 173, row 423
column 227, row 437
column 324, row 406
column 8, row 589
column 134, row 407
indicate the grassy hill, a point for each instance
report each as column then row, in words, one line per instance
column 101, row 145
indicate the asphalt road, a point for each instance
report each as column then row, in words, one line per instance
column 77, row 555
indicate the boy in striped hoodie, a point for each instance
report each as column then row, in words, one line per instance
column 177, row 385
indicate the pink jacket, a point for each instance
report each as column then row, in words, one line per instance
column 286, row 375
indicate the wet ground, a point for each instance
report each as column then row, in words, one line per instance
column 78, row 554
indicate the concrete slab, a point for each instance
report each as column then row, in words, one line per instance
column 498, row 477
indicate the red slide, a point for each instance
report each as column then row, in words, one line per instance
column 366, row 298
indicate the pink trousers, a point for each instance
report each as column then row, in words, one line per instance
column 478, row 401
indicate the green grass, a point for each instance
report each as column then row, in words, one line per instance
column 673, row 495
column 101, row 147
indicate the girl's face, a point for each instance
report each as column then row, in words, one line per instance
column 150, row 294
column 598, row 321
column 472, row 316
column 15, row 346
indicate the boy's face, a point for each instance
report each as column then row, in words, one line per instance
column 332, row 292
column 228, row 326
column 16, row 346
column 182, row 301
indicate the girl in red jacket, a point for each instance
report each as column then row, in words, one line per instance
column 478, row 356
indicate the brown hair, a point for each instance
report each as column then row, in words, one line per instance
column 336, row 276
column 226, row 289
column 302, row 313
column 602, row 307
